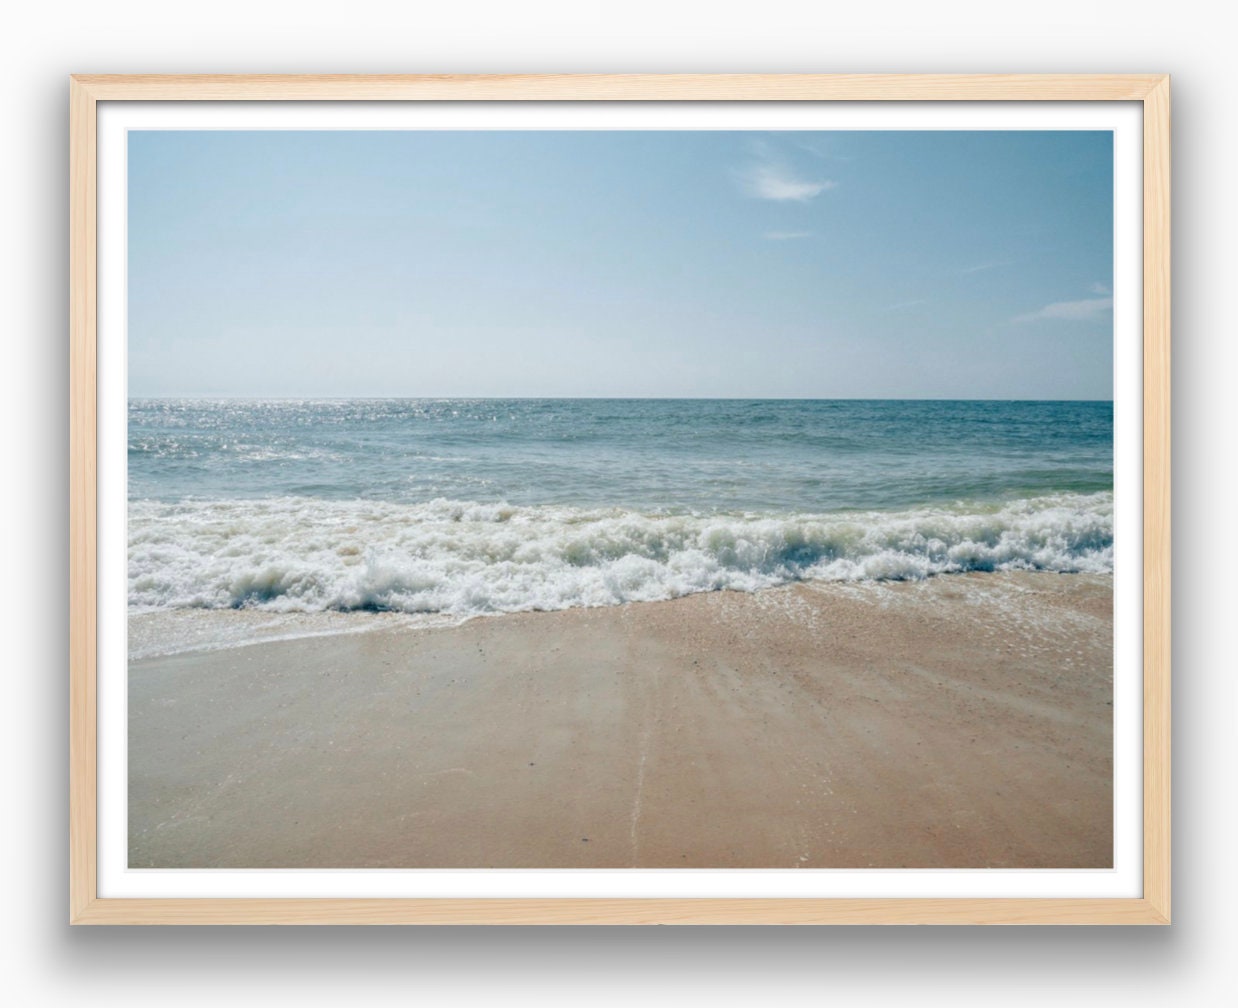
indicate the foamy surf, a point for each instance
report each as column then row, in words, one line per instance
column 461, row 558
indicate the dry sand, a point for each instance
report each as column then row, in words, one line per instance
column 960, row 722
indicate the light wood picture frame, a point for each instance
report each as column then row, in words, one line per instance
column 87, row 92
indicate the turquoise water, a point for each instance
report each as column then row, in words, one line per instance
column 464, row 506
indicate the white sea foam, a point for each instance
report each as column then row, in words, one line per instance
column 461, row 558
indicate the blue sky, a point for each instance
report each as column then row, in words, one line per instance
column 600, row 263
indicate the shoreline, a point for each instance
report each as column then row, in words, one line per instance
column 960, row 721
column 166, row 633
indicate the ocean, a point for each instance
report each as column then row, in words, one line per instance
column 468, row 506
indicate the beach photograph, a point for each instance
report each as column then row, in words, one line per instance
column 620, row 499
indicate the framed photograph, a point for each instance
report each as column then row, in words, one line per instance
column 620, row 499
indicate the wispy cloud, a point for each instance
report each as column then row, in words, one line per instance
column 1070, row 311
column 1099, row 288
column 777, row 182
column 786, row 235
column 984, row 266
column 770, row 175
column 905, row 304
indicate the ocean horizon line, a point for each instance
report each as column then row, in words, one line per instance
column 212, row 397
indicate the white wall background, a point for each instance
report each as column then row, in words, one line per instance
column 46, row 963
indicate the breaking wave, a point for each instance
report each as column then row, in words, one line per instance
column 461, row 558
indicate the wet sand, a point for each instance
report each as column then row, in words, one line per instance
column 960, row 722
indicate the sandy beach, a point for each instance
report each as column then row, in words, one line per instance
column 958, row 722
